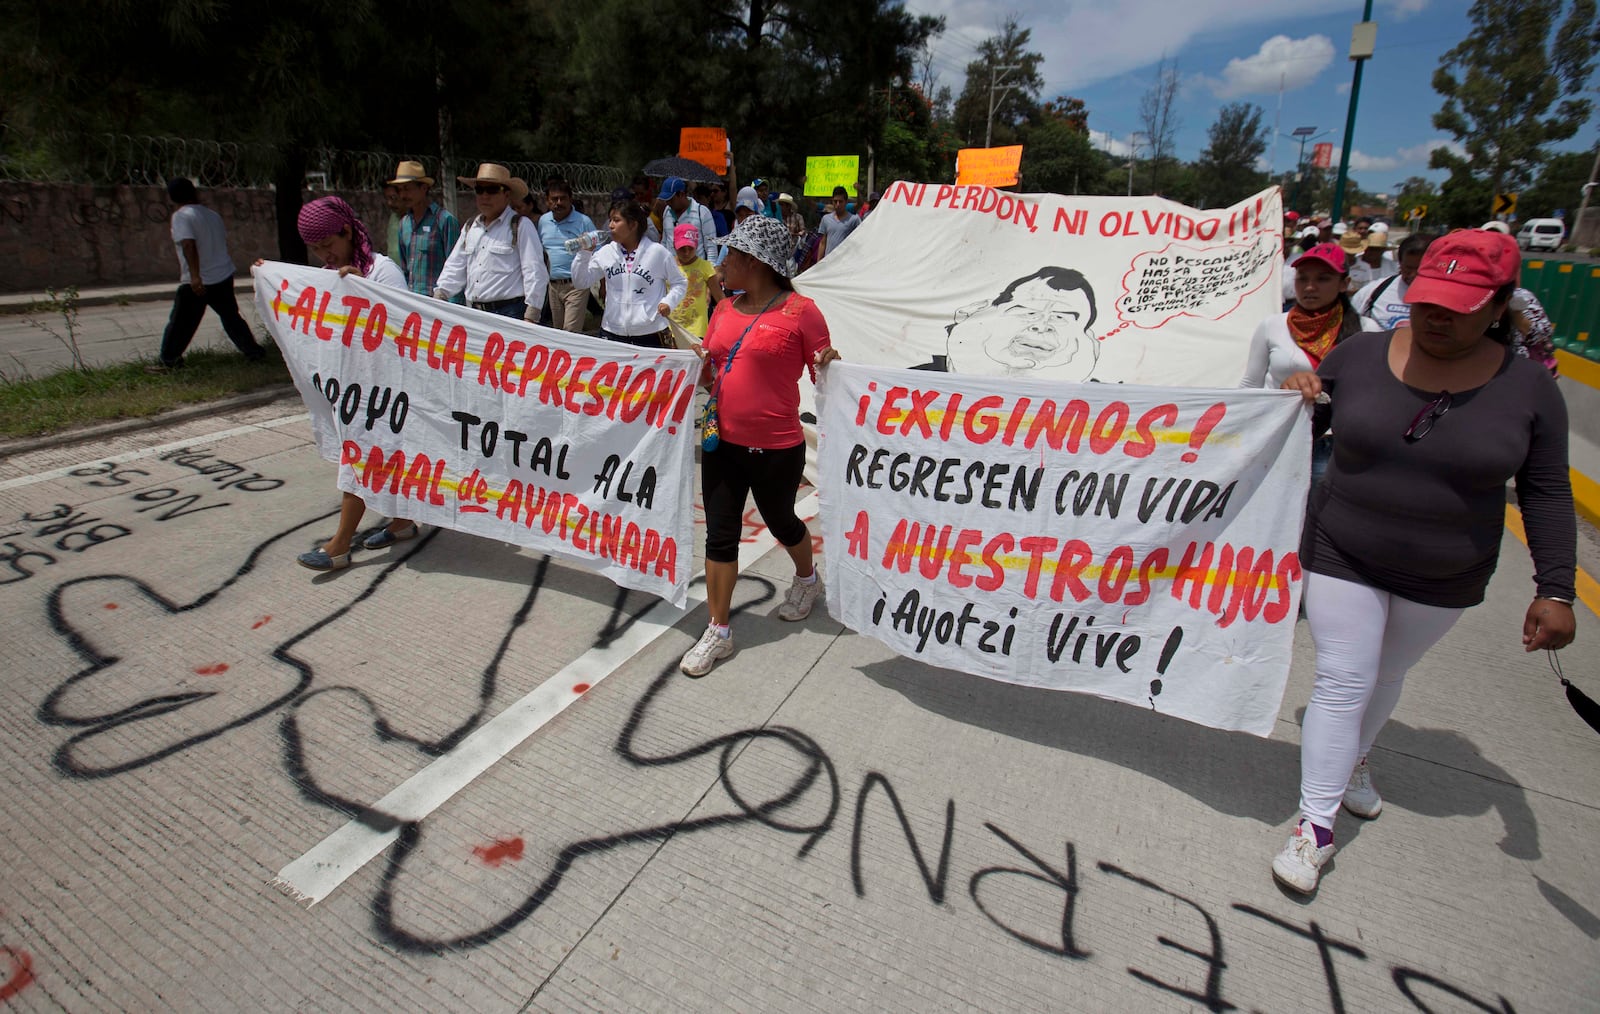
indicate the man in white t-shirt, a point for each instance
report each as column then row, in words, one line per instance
column 205, row 279
column 837, row 226
column 1384, row 300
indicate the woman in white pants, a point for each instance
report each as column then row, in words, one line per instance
column 1430, row 421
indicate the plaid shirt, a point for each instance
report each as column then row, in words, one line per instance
column 424, row 259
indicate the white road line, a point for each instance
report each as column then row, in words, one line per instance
column 117, row 459
column 337, row 857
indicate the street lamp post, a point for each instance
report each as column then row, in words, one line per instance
column 1133, row 156
column 1362, row 43
column 1303, row 134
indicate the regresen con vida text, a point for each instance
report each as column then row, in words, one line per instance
column 1225, row 581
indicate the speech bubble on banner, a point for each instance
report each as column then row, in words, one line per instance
column 1179, row 280
column 706, row 145
column 824, row 172
column 989, row 167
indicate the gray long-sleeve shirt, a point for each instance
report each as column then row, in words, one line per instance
column 1423, row 519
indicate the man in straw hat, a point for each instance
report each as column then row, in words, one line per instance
column 427, row 232
column 498, row 264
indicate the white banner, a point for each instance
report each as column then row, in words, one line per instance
column 977, row 281
column 1136, row 543
column 573, row 446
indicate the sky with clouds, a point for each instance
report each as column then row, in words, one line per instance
column 1232, row 51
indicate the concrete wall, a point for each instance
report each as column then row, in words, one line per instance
column 53, row 235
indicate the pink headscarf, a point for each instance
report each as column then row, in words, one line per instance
column 327, row 216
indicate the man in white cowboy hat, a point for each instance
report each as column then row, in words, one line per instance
column 427, row 232
column 498, row 264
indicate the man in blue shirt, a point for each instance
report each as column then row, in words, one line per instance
column 568, row 304
column 427, row 232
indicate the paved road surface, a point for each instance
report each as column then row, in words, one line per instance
column 817, row 825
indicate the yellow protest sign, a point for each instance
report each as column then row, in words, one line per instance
column 988, row 167
column 706, row 145
column 824, row 172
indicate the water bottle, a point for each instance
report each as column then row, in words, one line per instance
column 588, row 241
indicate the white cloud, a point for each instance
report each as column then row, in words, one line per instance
column 1343, row 87
column 1280, row 62
column 1084, row 43
column 1412, row 157
column 1108, row 144
column 1406, row 8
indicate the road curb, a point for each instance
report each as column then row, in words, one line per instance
column 66, row 438
column 20, row 303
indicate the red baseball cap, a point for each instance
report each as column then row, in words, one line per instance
column 1462, row 271
column 1331, row 254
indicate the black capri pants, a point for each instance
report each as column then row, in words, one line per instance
column 730, row 473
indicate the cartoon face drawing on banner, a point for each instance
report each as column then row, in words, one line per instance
column 1041, row 325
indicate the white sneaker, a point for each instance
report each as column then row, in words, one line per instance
column 711, row 647
column 1360, row 798
column 800, row 597
column 1300, row 863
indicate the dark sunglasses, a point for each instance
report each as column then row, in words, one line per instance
column 487, row 188
column 1422, row 425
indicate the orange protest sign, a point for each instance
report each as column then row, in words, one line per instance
column 706, row 145
column 988, row 167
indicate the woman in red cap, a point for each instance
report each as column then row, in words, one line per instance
column 1430, row 421
column 1297, row 340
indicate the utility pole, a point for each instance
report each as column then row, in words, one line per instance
column 994, row 83
column 1594, row 174
column 1362, row 42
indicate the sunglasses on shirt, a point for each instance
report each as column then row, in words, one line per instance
column 1422, row 425
column 487, row 188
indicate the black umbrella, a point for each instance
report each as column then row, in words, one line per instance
column 688, row 168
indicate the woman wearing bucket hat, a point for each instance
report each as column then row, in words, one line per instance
column 1431, row 421
column 1297, row 340
column 331, row 229
column 757, row 347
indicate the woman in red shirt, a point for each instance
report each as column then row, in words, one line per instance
column 757, row 347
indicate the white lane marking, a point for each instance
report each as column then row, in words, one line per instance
column 117, row 459
column 337, row 857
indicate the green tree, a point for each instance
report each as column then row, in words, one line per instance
column 1159, row 117
column 1005, row 63
column 1465, row 200
column 1227, row 167
column 1417, row 191
column 1514, row 85
column 1559, row 186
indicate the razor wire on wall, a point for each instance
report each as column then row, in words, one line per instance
column 141, row 160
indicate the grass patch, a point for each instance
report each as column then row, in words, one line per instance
column 35, row 406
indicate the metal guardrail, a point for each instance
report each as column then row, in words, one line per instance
column 142, row 160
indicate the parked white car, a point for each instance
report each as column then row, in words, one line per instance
column 1541, row 234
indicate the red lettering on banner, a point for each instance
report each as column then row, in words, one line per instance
column 550, row 383
column 1075, row 557
column 532, row 368
column 489, row 365
column 455, row 351
column 434, row 362
column 410, row 336
column 605, row 376
column 1143, row 444
column 353, row 306
column 324, row 333
column 304, row 309
column 377, row 324
column 986, row 425
column 1035, row 546
column 577, row 386
column 1055, row 429
column 513, row 350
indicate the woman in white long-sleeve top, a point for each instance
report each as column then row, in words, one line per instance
column 1296, row 341
column 642, row 279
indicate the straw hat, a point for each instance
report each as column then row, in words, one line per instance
column 1377, row 240
column 410, row 172
column 1352, row 242
column 519, row 190
column 489, row 172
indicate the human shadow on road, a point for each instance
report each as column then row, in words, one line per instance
column 1437, row 772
